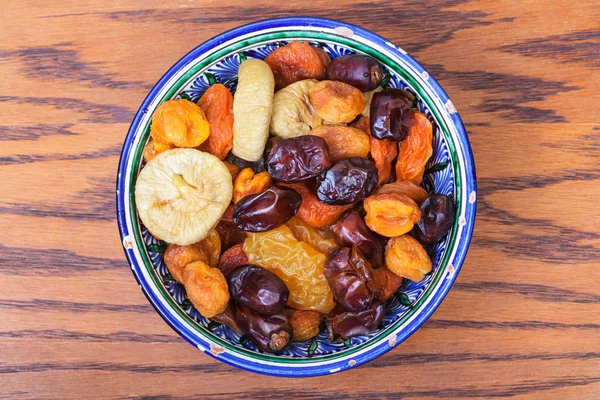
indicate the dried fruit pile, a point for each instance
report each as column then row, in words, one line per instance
column 296, row 202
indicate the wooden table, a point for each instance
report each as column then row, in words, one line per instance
column 523, row 319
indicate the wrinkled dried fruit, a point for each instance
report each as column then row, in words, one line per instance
column 229, row 233
column 415, row 151
column 296, row 263
column 293, row 115
column 211, row 247
column 258, row 166
column 314, row 212
column 438, row 215
column 180, row 123
column 267, row 210
column 343, row 141
column 314, row 237
column 346, row 324
column 349, row 181
column 206, row 288
column 383, row 152
column 391, row 214
column 297, row 61
column 268, row 333
column 234, row 170
column 407, row 188
column 177, row 257
column 252, row 107
column 406, row 257
column 336, row 102
column 258, row 289
column 153, row 148
column 227, row 317
column 350, row 278
column 247, row 183
column 296, row 159
column 351, row 230
column 217, row 103
column 368, row 98
column 306, row 323
column 232, row 258
column 362, row 72
column 391, row 115
column 388, row 283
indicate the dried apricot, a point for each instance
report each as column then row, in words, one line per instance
column 217, row 104
column 306, row 233
column 388, row 283
column 407, row 188
column 211, row 247
column 180, row 123
column 305, row 323
column 383, row 152
column 391, row 214
column 314, row 212
column 296, row 263
column 297, row 61
column 406, row 257
column 247, row 182
column 177, row 257
column 415, row 150
column 153, row 148
column 206, row 288
column 343, row 141
column 234, row 170
column 232, row 258
column 336, row 102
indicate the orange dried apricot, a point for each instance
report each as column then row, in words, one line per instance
column 407, row 258
column 407, row 188
column 180, row 123
column 153, row 148
column 415, row 150
column 206, row 288
column 234, row 170
column 305, row 323
column 217, row 104
column 247, row 182
column 314, row 212
column 336, row 102
column 343, row 141
column 391, row 214
column 297, row 61
column 383, row 152
column 387, row 281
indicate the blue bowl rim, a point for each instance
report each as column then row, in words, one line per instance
column 296, row 370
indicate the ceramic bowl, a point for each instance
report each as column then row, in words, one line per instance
column 450, row 171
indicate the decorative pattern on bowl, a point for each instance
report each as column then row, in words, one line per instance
column 450, row 171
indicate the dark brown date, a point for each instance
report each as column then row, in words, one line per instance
column 350, row 277
column 256, row 166
column 350, row 230
column 267, row 210
column 391, row 115
column 362, row 72
column 258, row 289
column 349, row 181
column 346, row 324
column 227, row 317
column 269, row 333
column 296, row 159
column 438, row 213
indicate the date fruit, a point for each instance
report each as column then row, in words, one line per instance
column 349, row 181
column 350, row 277
column 352, row 230
column 438, row 214
column 267, row 210
column 270, row 333
column 362, row 72
column 256, row 166
column 296, row 159
column 391, row 116
column 227, row 317
column 258, row 289
column 346, row 324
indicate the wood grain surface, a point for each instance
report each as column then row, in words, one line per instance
column 522, row 320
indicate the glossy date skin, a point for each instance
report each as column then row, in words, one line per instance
column 258, row 289
column 438, row 213
column 349, row 181
column 268, row 333
column 346, row 324
column 296, row 159
column 391, row 116
column 350, row 277
column 351, row 229
column 267, row 210
column 362, row 72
